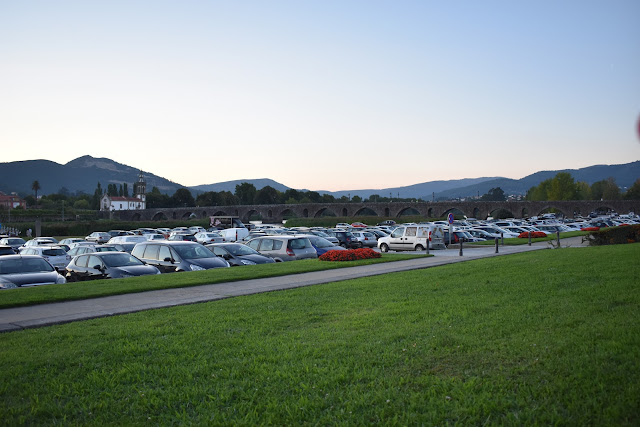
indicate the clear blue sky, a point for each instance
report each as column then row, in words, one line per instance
column 324, row 95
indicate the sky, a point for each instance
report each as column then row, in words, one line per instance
column 322, row 95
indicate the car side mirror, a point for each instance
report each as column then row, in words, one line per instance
column 167, row 259
column 97, row 267
column 227, row 256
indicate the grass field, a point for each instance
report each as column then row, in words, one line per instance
column 100, row 288
column 518, row 241
column 544, row 337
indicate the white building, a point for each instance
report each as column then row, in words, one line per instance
column 117, row 203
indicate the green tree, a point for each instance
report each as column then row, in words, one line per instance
column 156, row 199
column 246, row 193
column 35, row 186
column 494, row 194
column 81, row 204
column 563, row 187
column 291, row 196
column 356, row 199
column 583, row 191
column 97, row 196
column 633, row 193
column 267, row 196
column 607, row 189
column 182, row 198
column 125, row 190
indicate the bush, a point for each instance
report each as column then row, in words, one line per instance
column 349, row 255
column 615, row 235
column 534, row 235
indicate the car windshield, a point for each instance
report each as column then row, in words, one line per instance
column 24, row 265
column 194, row 251
column 106, row 249
column 239, row 250
column 120, row 259
column 53, row 252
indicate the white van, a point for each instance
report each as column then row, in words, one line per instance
column 234, row 234
column 413, row 238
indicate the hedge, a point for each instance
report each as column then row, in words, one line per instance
column 615, row 235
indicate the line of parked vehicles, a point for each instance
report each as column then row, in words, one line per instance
column 147, row 251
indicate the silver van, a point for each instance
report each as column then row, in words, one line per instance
column 284, row 248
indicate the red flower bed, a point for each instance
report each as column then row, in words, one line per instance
column 534, row 235
column 349, row 255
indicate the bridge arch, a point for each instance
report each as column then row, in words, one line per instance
column 455, row 211
column 159, row 216
column 288, row 213
column 251, row 215
column 324, row 212
column 365, row 211
column 345, row 212
column 188, row 215
column 409, row 211
column 305, row 213
column 136, row 216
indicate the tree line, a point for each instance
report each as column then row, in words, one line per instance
column 561, row 187
column 564, row 187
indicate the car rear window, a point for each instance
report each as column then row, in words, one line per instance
column 54, row 252
column 299, row 244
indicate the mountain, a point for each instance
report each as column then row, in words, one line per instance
column 81, row 174
column 84, row 173
column 231, row 185
column 625, row 175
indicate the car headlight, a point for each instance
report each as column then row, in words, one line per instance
column 7, row 284
column 246, row 262
column 196, row 267
column 60, row 280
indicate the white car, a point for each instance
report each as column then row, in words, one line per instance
column 207, row 237
column 98, row 237
column 55, row 255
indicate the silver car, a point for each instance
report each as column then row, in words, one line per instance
column 284, row 248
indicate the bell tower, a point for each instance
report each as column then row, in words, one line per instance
column 141, row 188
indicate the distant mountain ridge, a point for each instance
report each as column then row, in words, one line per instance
column 84, row 173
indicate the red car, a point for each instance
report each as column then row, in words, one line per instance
column 359, row 224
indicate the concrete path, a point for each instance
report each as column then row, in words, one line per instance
column 12, row 319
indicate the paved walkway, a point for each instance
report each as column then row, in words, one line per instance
column 12, row 319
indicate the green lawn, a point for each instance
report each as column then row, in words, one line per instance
column 544, row 337
column 100, row 288
column 518, row 241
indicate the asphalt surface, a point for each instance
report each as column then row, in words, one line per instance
column 12, row 319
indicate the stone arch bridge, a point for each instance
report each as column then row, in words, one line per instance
column 471, row 209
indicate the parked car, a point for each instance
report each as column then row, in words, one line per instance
column 324, row 235
column 206, row 237
column 413, row 238
column 70, row 241
column 98, row 237
column 87, row 249
column 6, row 250
column 367, row 238
column 284, row 248
column 322, row 245
column 114, row 233
column 107, row 265
column 15, row 242
column 387, row 222
column 121, row 240
column 237, row 254
column 27, row 270
column 37, row 241
column 346, row 239
column 154, row 236
column 181, row 237
column 359, row 225
column 174, row 256
column 55, row 255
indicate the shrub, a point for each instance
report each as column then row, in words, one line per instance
column 615, row 235
column 534, row 235
column 349, row 255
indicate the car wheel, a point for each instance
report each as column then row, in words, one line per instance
column 419, row 248
column 384, row 247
